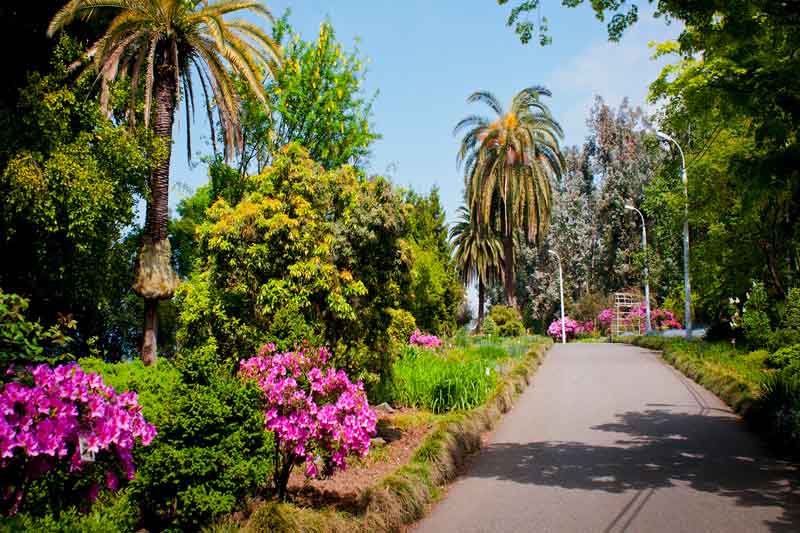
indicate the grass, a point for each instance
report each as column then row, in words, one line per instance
column 458, row 378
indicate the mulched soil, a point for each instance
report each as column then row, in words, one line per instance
column 344, row 489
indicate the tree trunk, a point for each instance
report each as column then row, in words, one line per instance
column 150, row 342
column 508, row 259
column 155, row 278
column 481, row 302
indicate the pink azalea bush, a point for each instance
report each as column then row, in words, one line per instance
column 66, row 418
column 317, row 416
column 425, row 341
column 660, row 319
column 604, row 319
column 571, row 328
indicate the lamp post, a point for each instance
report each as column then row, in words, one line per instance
column 647, row 326
column 561, row 290
column 687, row 289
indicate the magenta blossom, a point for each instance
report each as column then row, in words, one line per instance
column 316, row 414
column 571, row 328
column 425, row 341
column 65, row 415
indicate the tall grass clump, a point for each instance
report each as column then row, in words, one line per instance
column 440, row 383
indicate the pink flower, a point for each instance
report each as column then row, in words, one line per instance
column 311, row 407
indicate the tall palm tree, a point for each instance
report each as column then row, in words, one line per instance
column 159, row 44
column 478, row 255
column 508, row 166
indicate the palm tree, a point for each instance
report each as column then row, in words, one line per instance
column 478, row 255
column 508, row 166
column 158, row 44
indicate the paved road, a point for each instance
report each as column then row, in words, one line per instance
column 609, row 438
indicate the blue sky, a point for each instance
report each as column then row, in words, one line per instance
column 426, row 57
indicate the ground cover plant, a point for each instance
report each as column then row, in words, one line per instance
column 457, row 378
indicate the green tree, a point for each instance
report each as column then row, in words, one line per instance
column 435, row 291
column 67, row 194
column 306, row 255
column 508, row 167
column 478, row 256
column 161, row 43
column 316, row 100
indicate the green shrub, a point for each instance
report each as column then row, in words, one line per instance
column 401, row 326
column 757, row 358
column 784, row 357
column 755, row 321
column 489, row 326
column 502, row 314
column 512, row 328
column 783, row 337
column 111, row 513
column 211, row 450
column 791, row 313
column 429, row 381
column 777, row 411
column 26, row 342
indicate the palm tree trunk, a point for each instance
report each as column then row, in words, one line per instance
column 156, row 279
column 481, row 302
column 508, row 259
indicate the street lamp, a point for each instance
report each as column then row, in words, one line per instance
column 561, row 290
column 646, row 282
column 688, row 292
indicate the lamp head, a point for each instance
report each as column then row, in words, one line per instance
column 663, row 136
column 629, row 207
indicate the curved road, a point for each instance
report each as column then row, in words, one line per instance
column 609, row 438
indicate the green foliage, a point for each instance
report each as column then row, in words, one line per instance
column 315, row 100
column 435, row 291
column 589, row 305
column 307, row 254
column 69, row 180
column 777, row 412
column 784, row 357
column 211, row 450
column 26, row 342
column 110, row 514
column 620, row 15
column 755, row 321
column 783, row 337
column 791, row 312
column 401, row 326
column 507, row 320
column 512, row 328
column 489, row 326
column 427, row 380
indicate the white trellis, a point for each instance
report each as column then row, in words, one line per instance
column 624, row 304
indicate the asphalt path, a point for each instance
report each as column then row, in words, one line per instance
column 610, row 438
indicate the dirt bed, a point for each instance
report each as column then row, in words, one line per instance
column 344, row 489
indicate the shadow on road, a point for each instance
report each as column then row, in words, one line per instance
column 656, row 449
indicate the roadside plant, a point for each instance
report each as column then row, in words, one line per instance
column 755, row 321
column 605, row 318
column 426, row 341
column 69, row 422
column 571, row 328
column 317, row 415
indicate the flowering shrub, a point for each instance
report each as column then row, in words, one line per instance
column 51, row 416
column 315, row 413
column 660, row 319
column 426, row 341
column 605, row 318
column 571, row 328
